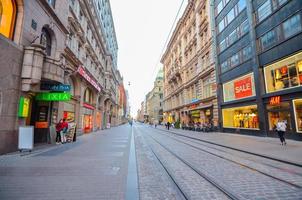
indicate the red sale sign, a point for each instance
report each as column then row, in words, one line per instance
column 243, row 88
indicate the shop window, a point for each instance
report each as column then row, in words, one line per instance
column 298, row 114
column 279, row 112
column 284, row 74
column 264, row 10
column 7, row 17
column 292, row 26
column 46, row 41
column 245, row 117
column 239, row 88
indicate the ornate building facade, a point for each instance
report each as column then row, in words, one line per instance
column 189, row 70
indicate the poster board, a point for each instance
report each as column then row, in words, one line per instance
column 26, row 138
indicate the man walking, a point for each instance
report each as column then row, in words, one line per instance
column 281, row 128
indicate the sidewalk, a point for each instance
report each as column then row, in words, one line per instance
column 265, row 146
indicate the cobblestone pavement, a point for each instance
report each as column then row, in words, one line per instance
column 94, row 167
column 246, row 183
column 154, row 182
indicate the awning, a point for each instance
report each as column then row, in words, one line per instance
column 201, row 107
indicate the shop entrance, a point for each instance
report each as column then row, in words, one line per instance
column 279, row 112
column 87, row 123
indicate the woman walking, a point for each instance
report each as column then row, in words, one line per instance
column 281, row 128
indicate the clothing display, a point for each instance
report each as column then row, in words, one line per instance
column 245, row 120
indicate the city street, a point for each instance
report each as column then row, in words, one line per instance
column 163, row 165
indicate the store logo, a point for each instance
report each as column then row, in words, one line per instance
column 275, row 100
column 243, row 88
column 53, row 96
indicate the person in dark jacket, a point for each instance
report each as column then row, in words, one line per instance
column 168, row 125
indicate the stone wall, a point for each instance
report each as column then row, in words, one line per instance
column 10, row 72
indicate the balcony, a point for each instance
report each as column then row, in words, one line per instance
column 53, row 70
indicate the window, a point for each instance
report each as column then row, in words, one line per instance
column 52, row 3
column 7, row 17
column 219, row 7
column 241, row 5
column 207, row 88
column 230, row 16
column 233, row 37
column 268, row 40
column 279, row 112
column 221, row 25
column 88, row 96
column 46, row 41
column 284, row 74
column 245, row 117
column 235, row 60
column 292, row 26
column 264, row 10
column 244, row 27
column 298, row 114
column 224, row 66
column 222, row 45
column 239, row 88
column 246, row 53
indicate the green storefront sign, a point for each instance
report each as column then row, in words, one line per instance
column 53, row 96
column 23, row 107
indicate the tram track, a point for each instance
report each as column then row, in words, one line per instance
column 222, row 188
column 238, row 163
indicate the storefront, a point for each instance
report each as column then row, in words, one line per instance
column 283, row 101
column 245, row 117
column 198, row 113
column 98, row 120
column 88, row 111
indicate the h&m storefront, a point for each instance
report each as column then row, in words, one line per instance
column 241, row 116
column 283, row 98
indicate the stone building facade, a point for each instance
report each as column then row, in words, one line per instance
column 189, row 69
column 58, row 66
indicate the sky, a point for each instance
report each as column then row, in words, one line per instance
column 142, row 28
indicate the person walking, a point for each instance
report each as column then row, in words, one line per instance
column 59, row 128
column 281, row 128
column 168, row 125
column 64, row 131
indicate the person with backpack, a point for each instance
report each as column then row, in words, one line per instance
column 281, row 128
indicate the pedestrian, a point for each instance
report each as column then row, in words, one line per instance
column 64, row 131
column 59, row 128
column 168, row 125
column 281, row 128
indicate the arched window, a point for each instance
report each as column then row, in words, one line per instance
column 7, row 17
column 88, row 96
column 46, row 41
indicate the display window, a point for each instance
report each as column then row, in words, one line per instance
column 69, row 116
column 245, row 117
column 284, row 74
column 239, row 88
column 195, row 116
column 7, row 17
column 298, row 114
column 87, row 123
column 279, row 112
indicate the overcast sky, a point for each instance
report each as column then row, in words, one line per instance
column 142, row 27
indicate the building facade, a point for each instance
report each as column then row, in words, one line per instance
column 154, row 100
column 189, row 70
column 59, row 66
column 258, row 45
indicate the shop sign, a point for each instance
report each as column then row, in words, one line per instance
column 243, row 88
column 275, row 100
column 193, row 106
column 86, row 105
column 64, row 96
column 41, row 125
column 23, row 107
column 55, row 87
column 84, row 74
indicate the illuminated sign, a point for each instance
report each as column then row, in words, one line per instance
column 53, row 96
column 275, row 100
column 84, row 74
column 23, row 107
column 88, row 106
column 55, row 87
column 41, row 125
